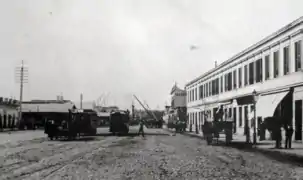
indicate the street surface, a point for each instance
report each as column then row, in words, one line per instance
column 159, row 156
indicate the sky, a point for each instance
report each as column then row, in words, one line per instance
column 117, row 48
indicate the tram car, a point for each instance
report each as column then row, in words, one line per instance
column 119, row 122
column 79, row 123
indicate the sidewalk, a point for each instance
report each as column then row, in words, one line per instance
column 264, row 147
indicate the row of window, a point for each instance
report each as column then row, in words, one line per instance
column 180, row 94
column 253, row 73
column 235, row 113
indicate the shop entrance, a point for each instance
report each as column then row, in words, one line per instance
column 298, row 120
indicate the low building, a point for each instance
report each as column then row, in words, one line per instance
column 34, row 113
column 270, row 70
column 9, row 118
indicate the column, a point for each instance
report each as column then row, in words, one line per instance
column 263, row 66
column 202, row 117
column 243, row 75
column 293, row 115
column 281, row 60
column 301, row 39
column 211, row 88
column 292, row 56
column 271, row 64
column 232, row 79
column 223, row 82
column 254, row 68
column 237, row 77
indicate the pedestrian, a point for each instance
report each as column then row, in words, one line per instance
column 288, row 136
column 141, row 128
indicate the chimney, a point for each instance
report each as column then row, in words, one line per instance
column 216, row 64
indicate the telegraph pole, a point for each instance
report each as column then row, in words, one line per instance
column 22, row 72
column 81, row 99
column 21, row 89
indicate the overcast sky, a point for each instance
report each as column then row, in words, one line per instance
column 127, row 46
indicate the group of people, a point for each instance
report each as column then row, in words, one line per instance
column 277, row 135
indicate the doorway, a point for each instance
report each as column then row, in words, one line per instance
column 298, row 120
column 245, row 120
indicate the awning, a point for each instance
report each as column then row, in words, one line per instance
column 267, row 104
column 245, row 100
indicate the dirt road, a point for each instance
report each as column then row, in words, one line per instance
column 159, row 156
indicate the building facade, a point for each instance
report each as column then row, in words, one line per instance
column 271, row 68
column 177, row 109
column 9, row 118
column 178, row 97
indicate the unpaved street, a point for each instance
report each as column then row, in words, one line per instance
column 159, row 156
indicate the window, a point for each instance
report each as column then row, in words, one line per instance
column 240, row 77
column 240, row 117
column 213, row 87
column 193, row 94
column 206, row 89
column 276, row 64
column 286, row 60
column 221, row 82
column 225, row 83
column 229, row 81
column 209, row 86
column 235, row 79
column 251, row 73
column 245, row 75
column 200, row 92
column 259, row 73
column 298, row 56
column 266, row 67
column 217, row 82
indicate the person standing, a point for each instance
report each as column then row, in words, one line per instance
column 141, row 128
column 288, row 133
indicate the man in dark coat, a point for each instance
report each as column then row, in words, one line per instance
column 288, row 136
column 141, row 128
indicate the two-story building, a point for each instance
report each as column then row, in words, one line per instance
column 271, row 68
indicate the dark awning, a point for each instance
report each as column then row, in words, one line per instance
column 245, row 100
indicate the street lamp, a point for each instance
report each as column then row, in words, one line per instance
column 255, row 119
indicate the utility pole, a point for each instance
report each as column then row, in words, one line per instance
column 22, row 72
column 81, row 99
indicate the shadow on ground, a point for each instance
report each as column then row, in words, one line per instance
column 270, row 152
column 132, row 134
column 78, row 139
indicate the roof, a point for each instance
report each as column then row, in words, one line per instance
column 47, row 107
column 254, row 46
column 175, row 88
column 46, row 101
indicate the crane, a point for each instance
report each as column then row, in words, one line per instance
column 148, row 112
